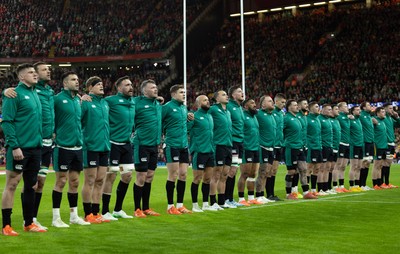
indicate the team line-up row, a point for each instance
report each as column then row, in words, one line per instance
column 95, row 134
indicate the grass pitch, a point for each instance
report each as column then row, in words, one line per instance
column 364, row 222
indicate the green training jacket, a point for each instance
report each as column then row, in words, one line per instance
column 95, row 126
column 278, row 115
column 46, row 97
column 356, row 132
column 313, row 132
column 147, row 121
column 68, row 113
column 367, row 126
column 326, row 131
column 222, row 125
column 251, row 141
column 391, row 123
column 344, row 122
column 267, row 128
column 303, row 120
column 174, row 124
column 22, row 119
column 380, row 134
column 292, row 132
column 121, row 116
column 201, row 131
column 237, row 120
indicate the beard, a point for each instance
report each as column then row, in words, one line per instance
column 205, row 107
column 253, row 111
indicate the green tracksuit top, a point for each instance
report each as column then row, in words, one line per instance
column 201, row 131
column 337, row 132
column 267, row 129
column 303, row 120
column 367, row 126
column 292, row 132
column 174, row 124
column 22, row 119
column 278, row 115
column 344, row 122
column 380, row 134
column 121, row 116
column 95, row 125
column 356, row 132
column 391, row 123
column 314, row 141
column 251, row 140
column 68, row 113
column 237, row 120
column 147, row 121
column 222, row 125
column 326, row 131
column 46, row 97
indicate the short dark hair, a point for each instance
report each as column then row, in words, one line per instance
column 387, row 104
column 175, row 88
column 119, row 81
column 311, row 103
column 378, row 109
column 326, row 105
column 301, row 99
column 144, row 84
column 246, row 101
column 279, row 96
column 22, row 67
column 363, row 104
column 66, row 74
column 216, row 94
column 263, row 98
column 37, row 64
column 288, row 103
column 353, row 108
column 92, row 81
column 232, row 89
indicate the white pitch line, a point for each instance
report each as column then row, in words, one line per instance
column 280, row 203
column 365, row 201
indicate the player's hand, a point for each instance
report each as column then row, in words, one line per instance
column 17, row 154
column 190, row 116
column 86, row 97
column 160, row 99
column 10, row 92
column 350, row 117
column 374, row 121
column 395, row 115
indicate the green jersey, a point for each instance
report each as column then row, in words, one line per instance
column 313, row 132
column 278, row 116
column 303, row 120
column 222, row 125
column 147, row 121
column 391, row 123
column 292, row 132
column 22, row 119
column 174, row 119
column 326, row 131
column 356, row 132
column 251, row 141
column 95, row 125
column 68, row 113
column 367, row 126
column 337, row 133
column 267, row 128
column 344, row 122
column 380, row 134
column 237, row 120
column 201, row 131
column 46, row 97
column 121, row 117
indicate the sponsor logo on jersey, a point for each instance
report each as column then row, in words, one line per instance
column 121, row 100
column 146, row 106
column 65, row 101
column 174, row 110
column 38, row 91
column 27, row 97
column 234, row 108
column 93, row 106
column 201, row 118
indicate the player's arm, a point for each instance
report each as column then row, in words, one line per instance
column 9, row 113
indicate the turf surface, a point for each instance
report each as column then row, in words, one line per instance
column 364, row 222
